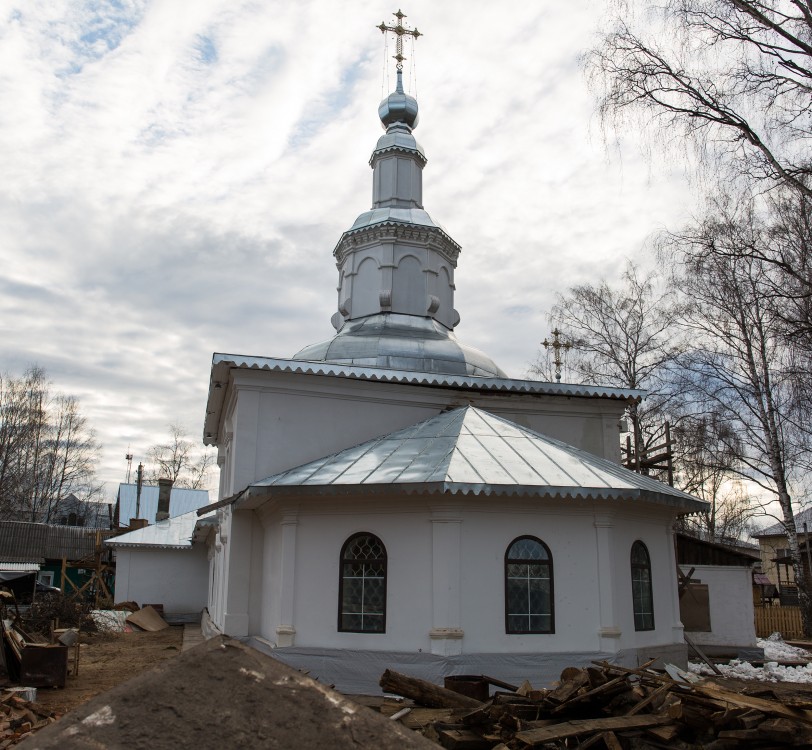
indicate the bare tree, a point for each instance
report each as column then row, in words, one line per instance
column 736, row 371
column 623, row 336
column 47, row 449
column 178, row 460
column 731, row 77
column 707, row 451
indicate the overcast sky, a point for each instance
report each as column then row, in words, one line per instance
column 175, row 176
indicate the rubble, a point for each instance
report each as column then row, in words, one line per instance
column 19, row 718
column 609, row 706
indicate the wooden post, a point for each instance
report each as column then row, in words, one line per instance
column 425, row 693
column 669, row 453
column 64, row 574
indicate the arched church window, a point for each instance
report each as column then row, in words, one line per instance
column 643, row 600
column 529, row 587
column 362, row 588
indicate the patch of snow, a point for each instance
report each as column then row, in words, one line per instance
column 258, row 677
column 774, row 649
column 101, row 718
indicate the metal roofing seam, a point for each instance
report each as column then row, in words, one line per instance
column 20, row 567
column 386, row 375
column 449, row 453
column 462, row 488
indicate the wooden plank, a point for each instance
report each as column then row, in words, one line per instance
column 463, row 739
column 641, row 672
column 784, row 730
column 498, row 683
column 664, row 733
column 700, row 653
column 418, row 718
column 571, row 685
column 535, row 737
column 653, row 695
column 611, row 742
column 749, row 701
column 424, row 692
column 606, row 687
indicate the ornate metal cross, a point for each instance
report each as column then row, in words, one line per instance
column 400, row 31
column 557, row 345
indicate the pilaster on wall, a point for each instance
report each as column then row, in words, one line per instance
column 609, row 631
column 677, row 629
column 238, row 544
column 286, row 630
column 446, row 634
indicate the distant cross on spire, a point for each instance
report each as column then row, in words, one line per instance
column 557, row 345
column 400, row 31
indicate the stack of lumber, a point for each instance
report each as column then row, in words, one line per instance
column 605, row 706
column 19, row 718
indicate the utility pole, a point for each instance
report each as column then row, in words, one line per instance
column 139, row 482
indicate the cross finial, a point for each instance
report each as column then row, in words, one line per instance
column 557, row 345
column 400, row 31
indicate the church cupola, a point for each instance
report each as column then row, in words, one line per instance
column 398, row 160
column 395, row 264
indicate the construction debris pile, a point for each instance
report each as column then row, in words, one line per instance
column 605, row 706
column 19, row 718
column 33, row 660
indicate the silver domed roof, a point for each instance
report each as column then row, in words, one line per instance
column 399, row 107
column 401, row 342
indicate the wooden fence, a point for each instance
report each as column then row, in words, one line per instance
column 785, row 620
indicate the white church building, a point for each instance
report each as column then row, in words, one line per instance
column 390, row 498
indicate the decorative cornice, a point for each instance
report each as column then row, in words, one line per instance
column 398, row 149
column 433, row 237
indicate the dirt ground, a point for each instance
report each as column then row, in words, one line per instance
column 223, row 694
column 108, row 659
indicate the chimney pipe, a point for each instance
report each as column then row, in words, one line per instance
column 164, row 491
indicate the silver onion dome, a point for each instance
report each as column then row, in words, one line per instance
column 401, row 342
column 399, row 107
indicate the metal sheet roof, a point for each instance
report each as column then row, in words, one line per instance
column 174, row 533
column 182, row 500
column 468, row 450
column 19, row 567
column 402, row 342
column 778, row 529
column 22, row 541
column 223, row 363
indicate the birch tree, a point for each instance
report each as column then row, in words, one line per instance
column 623, row 335
column 730, row 78
column 736, row 370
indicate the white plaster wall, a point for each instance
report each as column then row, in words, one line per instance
column 730, row 595
column 282, row 420
column 178, row 579
column 568, row 532
column 654, row 530
column 487, row 527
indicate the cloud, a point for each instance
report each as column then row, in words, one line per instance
column 176, row 176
